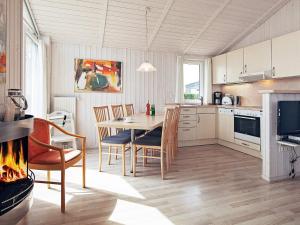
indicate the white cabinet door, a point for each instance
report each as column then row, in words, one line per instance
column 257, row 58
column 226, row 127
column 286, row 55
column 206, row 126
column 235, row 64
column 219, row 69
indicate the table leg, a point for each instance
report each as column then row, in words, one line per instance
column 131, row 151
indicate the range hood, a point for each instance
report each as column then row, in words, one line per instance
column 252, row 77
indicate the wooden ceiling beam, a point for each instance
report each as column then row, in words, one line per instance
column 160, row 22
column 104, row 25
column 255, row 25
column 207, row 24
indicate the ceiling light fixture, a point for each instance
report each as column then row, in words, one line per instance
column 146, row 66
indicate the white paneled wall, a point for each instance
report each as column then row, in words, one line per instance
column 286, row 20
column 158, row 87
column 14, row 47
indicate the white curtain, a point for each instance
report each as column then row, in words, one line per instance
column 37, row 76
column 207, row 98
column 179, row 80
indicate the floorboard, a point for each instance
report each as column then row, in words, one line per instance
column 206, row 185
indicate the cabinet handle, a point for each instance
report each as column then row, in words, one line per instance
column 273, row 71
column 186, row 129
column 245, row 68
column 244, row 144
column 186, row 123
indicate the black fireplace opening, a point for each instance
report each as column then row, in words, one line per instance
column 16, row 182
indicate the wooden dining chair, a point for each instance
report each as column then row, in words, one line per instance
column 155, row 143
column 174, row 134
column 129, row 109
column 117, row 111
column 43, row 156
column 105, row 138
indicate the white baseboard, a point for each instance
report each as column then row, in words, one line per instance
column 197, row 142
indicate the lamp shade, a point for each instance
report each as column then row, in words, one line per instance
column 146, row 67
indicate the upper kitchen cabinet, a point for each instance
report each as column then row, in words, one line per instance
column 235, row 63
column 219, row 69
column 286, row 55
column 257, row 58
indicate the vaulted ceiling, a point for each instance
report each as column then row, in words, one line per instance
column 198, row 27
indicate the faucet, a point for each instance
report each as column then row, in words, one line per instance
column 201, row 99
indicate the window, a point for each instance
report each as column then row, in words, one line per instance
column 193, row 81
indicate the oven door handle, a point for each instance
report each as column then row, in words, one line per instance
column 244, row 117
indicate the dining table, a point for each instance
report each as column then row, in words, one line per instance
column 139, row 121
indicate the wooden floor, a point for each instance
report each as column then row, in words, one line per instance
column 206, row 185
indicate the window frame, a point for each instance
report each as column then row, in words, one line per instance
column 200, row 63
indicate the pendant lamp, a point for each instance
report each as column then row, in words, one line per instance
column 146, row 66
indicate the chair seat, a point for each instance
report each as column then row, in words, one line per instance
column 156, row 132
column 148, row 140
column 137, row 132
column 53, row 157
column 120, row 138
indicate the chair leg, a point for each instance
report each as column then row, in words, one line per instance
column 123, row 160
column 144, row 159
column 109, row 155
column 83, row 171
column 48, row 178
column 100, row 157
column 167, row 157
column 134, row 159
column 116, row 151
column 63, row 191
column 162, row 163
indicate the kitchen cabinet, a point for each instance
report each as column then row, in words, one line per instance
column 206, row 126
column 219, row 64
column 257, row 58
column 286, row 55
column 196, row 124
column 235, row 65
column 226, row 125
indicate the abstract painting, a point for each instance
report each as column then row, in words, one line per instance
column 2, row 38
column 98, row 76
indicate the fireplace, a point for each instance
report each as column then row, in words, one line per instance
column 16, row 181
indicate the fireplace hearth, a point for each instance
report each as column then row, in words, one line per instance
column 16, row 181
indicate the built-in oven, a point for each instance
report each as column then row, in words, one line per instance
column 247, row 125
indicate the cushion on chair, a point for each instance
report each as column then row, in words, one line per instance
column 117, row 139
column 148, row 140
column 53, row 157
column 41, row 133
column 156, row 132
column 137, row 132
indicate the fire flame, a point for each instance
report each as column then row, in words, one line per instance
column 10, row 169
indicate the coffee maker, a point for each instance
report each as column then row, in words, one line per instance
column 217, row 98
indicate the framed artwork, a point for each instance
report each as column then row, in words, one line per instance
column 2, row 38
column 97, row 76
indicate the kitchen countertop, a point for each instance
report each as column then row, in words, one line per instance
column 219, row 106
column 279, row 91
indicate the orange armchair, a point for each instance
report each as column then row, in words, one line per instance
column 43, row 156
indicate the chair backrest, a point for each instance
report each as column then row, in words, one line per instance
column 117, row 111
column 41, row 132
column 102, row 114
column 129, row 109
column 167, row 126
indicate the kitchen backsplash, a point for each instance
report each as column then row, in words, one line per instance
column 249, row 91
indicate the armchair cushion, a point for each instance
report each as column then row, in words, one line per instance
column 53, row 157
column 42, row 133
